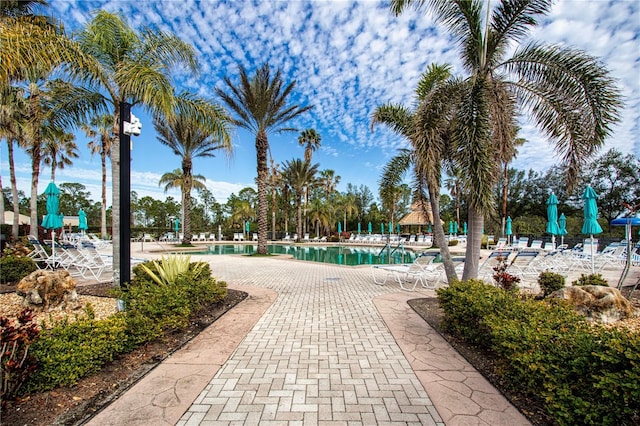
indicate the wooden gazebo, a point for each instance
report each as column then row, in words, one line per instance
column 417, row 216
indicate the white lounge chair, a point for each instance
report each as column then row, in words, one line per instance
column 406, row 274
column 255, row 237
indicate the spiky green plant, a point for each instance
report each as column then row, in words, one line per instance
column 169, row 268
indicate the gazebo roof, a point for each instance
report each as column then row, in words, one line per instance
column 416, row 216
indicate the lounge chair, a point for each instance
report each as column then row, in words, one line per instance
column 406, row 274
column 305, row 238
column 212, row 236
column 536, row 245
column 523, row 243
column 255, row 237
column 486, row 271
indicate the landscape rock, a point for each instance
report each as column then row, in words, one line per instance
column 597, row 303
column 48, row 290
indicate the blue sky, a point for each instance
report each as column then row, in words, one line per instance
column 347, row 58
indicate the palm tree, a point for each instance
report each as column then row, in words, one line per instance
column 299, row 175
column 567, row 93
column 58, row 152
column 34, row 45
column 329, row 181
column 101, row 128
column 310, row 139
column 190, row 139
column 175, row 180
column 135, row 67
column 260, row 104
column 12, row 118
column 426, row 130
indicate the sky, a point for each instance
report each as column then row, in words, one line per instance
column 347, row 58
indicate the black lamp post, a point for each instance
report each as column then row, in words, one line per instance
column 129, row 125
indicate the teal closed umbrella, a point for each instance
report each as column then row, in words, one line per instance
column 552, row 217
column 176, row 225
column 82, row 221
column 339, row 228
column 591, row 225
column 562, row 227
column 382, row 228
column 507, row 229
column 359, row 228
column 455, row 227
column 429, row 229
column 390, row 228
column 398, row 228
column 369, row 228
column 450, row 227
column 464, row 228
column 53, row 219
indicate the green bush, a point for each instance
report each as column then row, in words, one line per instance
column 14, row 268
column 72, row 350
column 550, row 282
column 590, row 279
column 583, row 374
column 151, row 308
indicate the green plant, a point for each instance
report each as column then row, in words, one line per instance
column 16, row 363
column 590, row 279
column 168, row 268
column 14, row 268
column 505, row 280
column 550, row 282
column 70, row 351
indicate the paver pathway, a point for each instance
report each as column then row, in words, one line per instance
column 333, row 348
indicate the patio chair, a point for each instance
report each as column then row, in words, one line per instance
column 254, row 237
column 536, row 244
column 486, row 271
column 523, row 264
column 523, row 243
column 406, row 274
column 39, row 254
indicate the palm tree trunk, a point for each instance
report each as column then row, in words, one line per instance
column 474, row 241
column 262, row 146
column 103, row 208
column 505, row 190
column 14, row 192
column 186, row 200
column 438, row 232
column 299, row 216
column 35, row 165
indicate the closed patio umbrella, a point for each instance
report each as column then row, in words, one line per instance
column 552, row 217
column 562, row 227
column 176, row 226
column 382, row 228
column 507, row 229
column 359, row 228
column 339, row 228
column 450, row 227
column 464, row 229
column 591, row 226
column 82, row 221
column 53, row 219
column 369, row 228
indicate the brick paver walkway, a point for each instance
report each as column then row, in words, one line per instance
column 320, row 355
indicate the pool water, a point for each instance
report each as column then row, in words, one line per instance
column 339, row 255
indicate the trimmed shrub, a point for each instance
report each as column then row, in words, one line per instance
column 72, row 350
column 14, row 268
column 550, row 282
column 582, row 374
column 590, row 279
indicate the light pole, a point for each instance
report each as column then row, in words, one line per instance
column 129, row 125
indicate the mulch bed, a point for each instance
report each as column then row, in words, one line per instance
column 77, row 404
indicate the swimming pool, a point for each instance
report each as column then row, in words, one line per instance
column 339, row 255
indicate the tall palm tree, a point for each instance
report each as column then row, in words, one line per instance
column 134, row 67
column 58, row 152
column 12, row 118
column 189, row 139
column 426, row 129
column 275, row 180
column 261, row 106
column 101, row 128
column 299, row 175
column 567, row 93
column 310, row 139
column 329, row 181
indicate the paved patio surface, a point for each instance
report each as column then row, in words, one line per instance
column 312, row 344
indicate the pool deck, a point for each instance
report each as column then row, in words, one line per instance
column 316, row 344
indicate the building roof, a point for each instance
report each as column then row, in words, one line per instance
column 417, row 216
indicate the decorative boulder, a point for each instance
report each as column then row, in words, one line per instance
column 597, row 303
column 49, row 290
